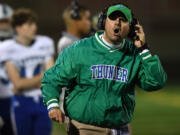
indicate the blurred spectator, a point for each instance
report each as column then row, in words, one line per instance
column 77, row 21
column 6, row 32
column 30, row 56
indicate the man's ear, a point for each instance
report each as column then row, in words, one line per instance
column 104, row 23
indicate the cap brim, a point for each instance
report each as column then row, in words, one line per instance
column 124, row 10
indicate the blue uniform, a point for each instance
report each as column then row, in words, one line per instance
column 5, row 114
column 30, row 115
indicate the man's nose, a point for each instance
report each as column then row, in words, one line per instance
column 118, row 21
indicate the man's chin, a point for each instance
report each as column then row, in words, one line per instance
column 31, row 37
column 116, row 40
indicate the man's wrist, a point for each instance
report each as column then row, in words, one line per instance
column 143, row 47
column 145, row 54
column 52, row 103
column 52, row 108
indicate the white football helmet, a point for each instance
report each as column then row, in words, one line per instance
column 5, row 12
column 5, row 15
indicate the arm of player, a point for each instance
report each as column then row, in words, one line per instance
column 49, row 63
column 62, row 44
column 19, row 82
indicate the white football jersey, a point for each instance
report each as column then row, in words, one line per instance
column 29, row 60
column 5, row 84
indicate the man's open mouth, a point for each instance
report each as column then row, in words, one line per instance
column 117, row 31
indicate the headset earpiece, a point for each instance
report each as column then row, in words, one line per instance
column 100, row 24
column 102, row 19
column 75, row 12
column 132, row 33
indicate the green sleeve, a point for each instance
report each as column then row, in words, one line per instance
column 58, row 76
column 151, row 74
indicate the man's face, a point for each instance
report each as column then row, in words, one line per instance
column 116, row 27
column 84, row 24
column 27, row 30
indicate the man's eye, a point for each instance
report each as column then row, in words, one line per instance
column 112, row 17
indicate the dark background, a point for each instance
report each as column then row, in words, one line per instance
column 160, row 19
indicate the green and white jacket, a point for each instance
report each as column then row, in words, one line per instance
column 100, row 81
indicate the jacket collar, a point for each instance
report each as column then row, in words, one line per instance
column 99, row 40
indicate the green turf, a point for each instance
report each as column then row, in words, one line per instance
column 156, row 113
column 58, row 129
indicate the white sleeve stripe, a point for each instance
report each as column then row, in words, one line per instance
column 113, row 131
column 53, row 105
column 144, row 51
column 147, row 57
column 51, row 101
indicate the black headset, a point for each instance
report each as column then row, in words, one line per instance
column 102, row 20
column 75, row 12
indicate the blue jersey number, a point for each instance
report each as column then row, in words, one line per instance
column 4, row 81
column 37, row 70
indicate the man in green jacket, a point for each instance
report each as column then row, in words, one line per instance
column 100, row 74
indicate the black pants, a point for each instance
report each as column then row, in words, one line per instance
column 5, row 114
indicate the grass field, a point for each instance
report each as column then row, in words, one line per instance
column 156, row 113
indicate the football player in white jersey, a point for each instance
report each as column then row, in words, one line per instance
column 30, row 56
column 6, row 32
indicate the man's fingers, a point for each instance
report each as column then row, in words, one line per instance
column 61, row 117
column 56, row 115
column 57, row 118
column 53, row 116
column 140, row 28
